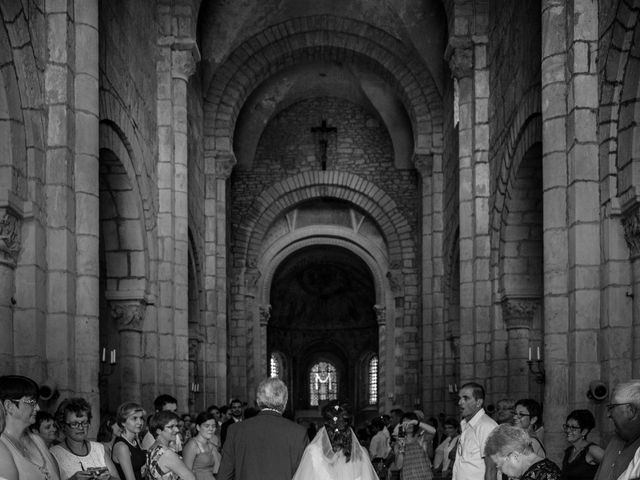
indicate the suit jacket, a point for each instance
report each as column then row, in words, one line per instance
column 223, row 429
column 264, row 447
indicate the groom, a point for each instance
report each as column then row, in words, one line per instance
column 267, row 446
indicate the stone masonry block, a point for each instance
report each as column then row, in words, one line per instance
column 117, row 264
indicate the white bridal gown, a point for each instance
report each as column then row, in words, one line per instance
column 320, row 462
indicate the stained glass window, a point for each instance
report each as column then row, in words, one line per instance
column 373, row 380
column 274, row 366
column 323, row 383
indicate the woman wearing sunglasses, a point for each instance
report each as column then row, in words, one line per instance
column 79, row 458
column 582, row 457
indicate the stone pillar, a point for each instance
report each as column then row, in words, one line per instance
column 517, row 313
column 10, row 238
column 631, row 224
column 385, row 380
column 467, row 60
column 218, row 167
column 261, row 370
column 129, row 314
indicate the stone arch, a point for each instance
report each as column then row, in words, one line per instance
column 301, row 39
column 341, row 185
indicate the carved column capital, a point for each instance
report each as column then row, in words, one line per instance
column 10, row 235
column 265, row 314
column 225, row 161
column 459, row 55
column 631, row 225
column 423, row 163
column 517, row 312
column 184, row 58
column 129, row 314
column 381, row 314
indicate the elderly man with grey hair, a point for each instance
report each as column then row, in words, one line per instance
column 267, row 446
column 624, row 412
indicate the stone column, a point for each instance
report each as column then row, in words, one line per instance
column 631, row 224
column 385, row 380
column 261, row 370
column 10, row 239
column 129, row 315
column 467, row 60
column 517, row 313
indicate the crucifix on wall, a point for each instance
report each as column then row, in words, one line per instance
column 322, row 132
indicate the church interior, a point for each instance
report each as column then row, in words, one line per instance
column 377, row 201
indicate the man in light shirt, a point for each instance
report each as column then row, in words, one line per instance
column 476, row 425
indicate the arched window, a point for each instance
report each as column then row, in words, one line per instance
column 323, row 383
column 373, row 380
column 275, row 368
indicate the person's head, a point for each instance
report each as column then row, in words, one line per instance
column 224, row 413
column 396, row 417
column 45, row 426
column 272, row 393
column 509, row 446
column 164, row 425
column 206, row 425
column 74, row 417
column 377, row 423
column 578, row 425
column 337, row 423
column 130, row 417
column 411, row 428
column 471, row 399
column 235, row 407
column 527, row 414
column 504, row 410
column 624, row 410
column 165, row 402
column 19, row 397
column 215, row 411
column 187, row 421
column 451, row 427
column 109, row 428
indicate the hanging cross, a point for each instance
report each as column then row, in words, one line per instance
column 323, row 130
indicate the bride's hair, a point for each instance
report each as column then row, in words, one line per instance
column 337, row 422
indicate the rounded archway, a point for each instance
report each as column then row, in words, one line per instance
column 322, row 301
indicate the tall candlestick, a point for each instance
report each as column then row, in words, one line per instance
column 104, row 355
column 537, row 353
column 529, row 353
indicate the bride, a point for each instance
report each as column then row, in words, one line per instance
column 335, row 453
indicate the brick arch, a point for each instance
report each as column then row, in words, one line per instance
column 310, row 185
column 322, row 37
column 114, row 114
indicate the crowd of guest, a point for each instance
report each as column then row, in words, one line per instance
column 505, row 441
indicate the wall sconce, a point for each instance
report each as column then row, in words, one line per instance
column 453, row 391
column 195, row 387
column 537, row 370
column 108, row 368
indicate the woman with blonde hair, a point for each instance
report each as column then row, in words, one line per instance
column 127, row 454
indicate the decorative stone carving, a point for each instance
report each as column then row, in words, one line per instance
column 225, row 161
column 10, row 225
column 459, row 55
column 631, row 225
column 517, row 312
column 184, row 58
column 265, row 314
column 381, row 314
column 423, row 164
column 128, row 313
column 251, row 277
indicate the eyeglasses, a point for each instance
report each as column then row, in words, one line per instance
column 611, row 406
column 566, row 427
column 78, row 425
column 520, row 414
column 31, row 402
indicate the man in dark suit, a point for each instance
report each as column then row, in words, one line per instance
column 235, row 416
column 267, row 446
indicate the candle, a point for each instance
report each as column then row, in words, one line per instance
column 529, row 353
column 455, row 387
column 537, row 353
column 104, row 354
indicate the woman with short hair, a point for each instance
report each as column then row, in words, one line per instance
column 127, row 454
column 79, row 458
column 528, row 416
column 46, row 428
column 510, row 449
column 29, row 456
column 582, row 457
column 162, row 462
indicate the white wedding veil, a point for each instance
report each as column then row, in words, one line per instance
column 320, row 462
